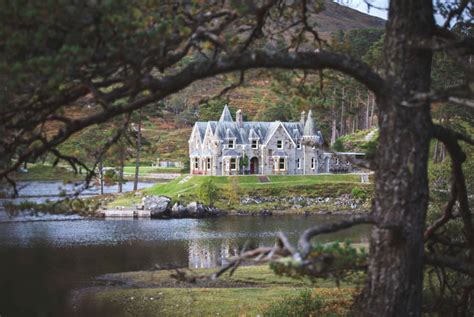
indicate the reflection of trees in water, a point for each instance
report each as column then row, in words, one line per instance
column 213, row 253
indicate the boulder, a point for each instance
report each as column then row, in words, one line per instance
column 179, row 211
column 159, row 206
column 196, row 210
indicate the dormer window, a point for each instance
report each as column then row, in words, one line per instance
column 230, row 144
column 254, row 144
column 298, row 145
column 279, row 144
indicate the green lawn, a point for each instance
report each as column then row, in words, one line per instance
column 330, row 185
column 174, row 188
column 249, row 292
column 39, row 172
column 145, row 170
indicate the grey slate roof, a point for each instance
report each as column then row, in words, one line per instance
column 230, row 152
column 226, row 128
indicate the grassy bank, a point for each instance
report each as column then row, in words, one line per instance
column 251, row 291
column 147, row 170
column 186, row 189
column 39, row 172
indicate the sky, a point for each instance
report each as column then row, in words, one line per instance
column 379, row 8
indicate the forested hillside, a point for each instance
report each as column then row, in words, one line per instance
column 340, row 106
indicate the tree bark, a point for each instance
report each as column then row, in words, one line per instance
column 367, row 123
column 343, row 122
column 395, row 276
column 101, row 177
column 334, row 120
column 122, row 163
column 138, row 149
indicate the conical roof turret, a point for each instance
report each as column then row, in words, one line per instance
column 309, row 126
column 226, row 116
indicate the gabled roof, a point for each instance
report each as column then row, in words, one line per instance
column 230, row 152
column 226, row 128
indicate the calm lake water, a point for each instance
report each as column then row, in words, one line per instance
column 41, row 262
column 41, row 191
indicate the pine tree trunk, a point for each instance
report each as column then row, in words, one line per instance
column 138, row 149
column 343, row 122
column 435, row 152
column 367, row 123
column 122, row 163
column 395, row 275
column 334, row 122
column 101, row 177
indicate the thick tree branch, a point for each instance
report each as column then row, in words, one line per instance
column 160, row 88
column 305, row 239
column 450, row 262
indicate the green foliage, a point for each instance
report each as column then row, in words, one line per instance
column 359, row 193
column 305, row 304
column 232, row 191
column 208, row 192
column 339, row 145
column 212, row 110
column 278, row 112
column 244, row 162
column 335, row 260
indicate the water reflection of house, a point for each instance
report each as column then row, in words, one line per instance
column 212, row 253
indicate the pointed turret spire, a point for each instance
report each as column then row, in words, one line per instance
column 303, row 117
column 309, row 127
column 226, row 116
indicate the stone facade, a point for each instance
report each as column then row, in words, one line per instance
column 228, row 147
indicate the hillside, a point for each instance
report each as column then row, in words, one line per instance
column 338, row 17
column 168, row 134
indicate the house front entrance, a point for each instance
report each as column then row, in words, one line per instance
column 254, row 165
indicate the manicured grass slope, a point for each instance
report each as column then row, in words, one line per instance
column 251, row 183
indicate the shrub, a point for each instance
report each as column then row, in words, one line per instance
column 208, row 192
column 232, row 191
column 299, row 306
column 359, row 193
column 339, row 145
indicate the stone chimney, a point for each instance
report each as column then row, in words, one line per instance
column 239, row 118
column 303, row 115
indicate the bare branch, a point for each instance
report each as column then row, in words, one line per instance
column 450, row 262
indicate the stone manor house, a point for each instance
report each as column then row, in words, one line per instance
column 228, row 147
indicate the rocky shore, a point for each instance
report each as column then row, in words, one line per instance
column 163, row 207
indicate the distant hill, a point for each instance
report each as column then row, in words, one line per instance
column 339, row 17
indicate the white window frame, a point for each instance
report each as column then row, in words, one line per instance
column 233, row 160
column 313, row 163
column 229, row 142
column 280, row 161
column 279, row 144
column 208, row 163
column 298, row 163
column 254, row 144
column 196, row 163
column 298, row 145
